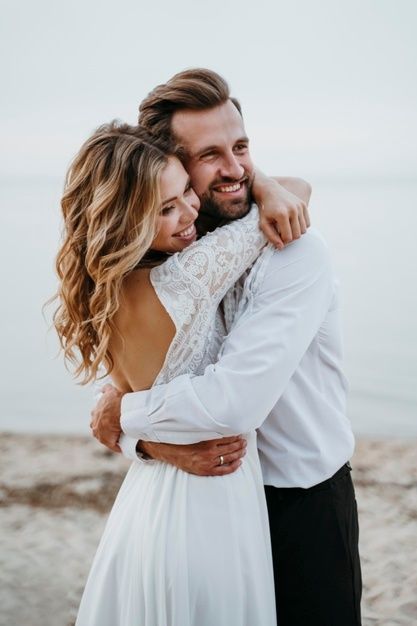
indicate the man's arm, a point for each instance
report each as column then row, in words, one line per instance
column 259, row 357
column 216, row 457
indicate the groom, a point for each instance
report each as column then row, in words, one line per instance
column 279, row 371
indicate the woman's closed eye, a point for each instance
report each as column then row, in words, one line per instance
column 168, row 209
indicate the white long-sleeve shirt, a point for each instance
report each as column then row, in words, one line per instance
column 279, row 372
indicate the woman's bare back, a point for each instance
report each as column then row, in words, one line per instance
column 145, row 332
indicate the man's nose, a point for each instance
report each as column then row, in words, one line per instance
column 231, row 168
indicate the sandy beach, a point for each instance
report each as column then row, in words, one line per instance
column 56, row 490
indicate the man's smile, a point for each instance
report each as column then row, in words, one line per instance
column 231, row 188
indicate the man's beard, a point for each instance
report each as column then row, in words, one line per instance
column 228, row 209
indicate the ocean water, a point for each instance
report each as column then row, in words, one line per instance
column 371, row 229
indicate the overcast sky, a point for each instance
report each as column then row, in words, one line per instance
column 329, row 88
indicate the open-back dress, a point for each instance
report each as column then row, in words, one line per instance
column 180, row 549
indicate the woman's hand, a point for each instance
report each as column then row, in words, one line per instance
column 283, row 207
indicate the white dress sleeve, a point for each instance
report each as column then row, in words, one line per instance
column 208, row 268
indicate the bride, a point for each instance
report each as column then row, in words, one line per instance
column 139, row 296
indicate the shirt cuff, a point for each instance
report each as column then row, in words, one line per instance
column 134, row 420
column 128, row 448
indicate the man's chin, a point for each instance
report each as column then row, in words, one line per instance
column 234, row 210
column 226, row 210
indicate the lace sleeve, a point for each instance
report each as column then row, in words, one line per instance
column 218, row 259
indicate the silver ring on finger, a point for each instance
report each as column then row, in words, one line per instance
column 221, row 460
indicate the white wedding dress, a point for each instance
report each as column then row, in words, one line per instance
column 180, row 549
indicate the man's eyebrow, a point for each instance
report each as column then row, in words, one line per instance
column 175, row 197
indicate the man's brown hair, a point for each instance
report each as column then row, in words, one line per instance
column 195, row 89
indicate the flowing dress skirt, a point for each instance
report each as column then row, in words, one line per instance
column 184, row 550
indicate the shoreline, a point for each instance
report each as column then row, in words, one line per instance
column 56, row 491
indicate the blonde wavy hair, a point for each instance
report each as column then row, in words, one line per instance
column 110, row 205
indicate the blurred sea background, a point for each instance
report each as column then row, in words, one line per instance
column 328, row 92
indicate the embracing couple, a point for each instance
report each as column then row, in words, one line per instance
column 224, row 357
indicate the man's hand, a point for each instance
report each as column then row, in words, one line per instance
column 283, row 214
column 217, row 457
column 105, row 418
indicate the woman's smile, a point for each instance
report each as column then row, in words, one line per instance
column 188, row 233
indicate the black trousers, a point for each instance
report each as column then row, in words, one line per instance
column 314, row 535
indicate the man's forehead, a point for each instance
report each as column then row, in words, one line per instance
column 196, row 130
